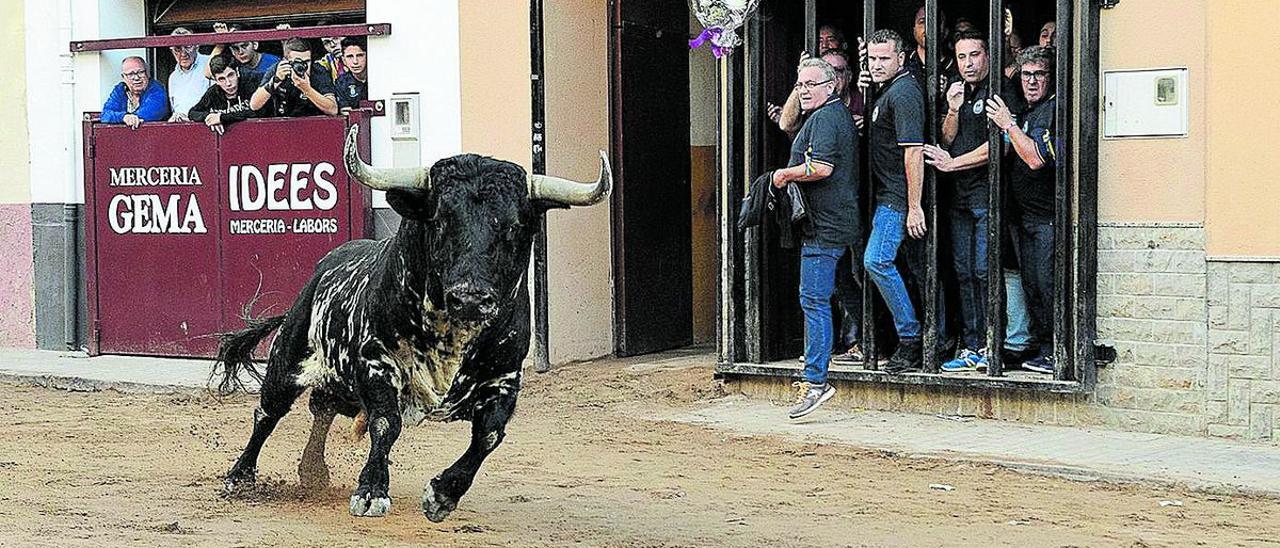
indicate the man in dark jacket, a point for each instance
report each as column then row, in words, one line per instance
column 824, row 162
column 225, row 103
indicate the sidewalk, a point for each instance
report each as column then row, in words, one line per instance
column 1204, row 464
column 1213, row 465
column 76, row 371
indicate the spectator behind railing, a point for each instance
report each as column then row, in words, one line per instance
column 137, row 98
column 187, row 82
column 228, row 101
column 298, row 87
column 251, row 64
column 353, row 86
column 333, row 60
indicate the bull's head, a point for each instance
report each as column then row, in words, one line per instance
column 474, row 219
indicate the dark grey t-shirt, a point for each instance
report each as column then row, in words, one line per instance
column 897, row 121
column 829, row 137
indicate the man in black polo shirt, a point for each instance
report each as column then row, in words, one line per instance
column 297, row 87
column 824, row 160
column 964, row 134
column 897, row 136
column 1032, row 181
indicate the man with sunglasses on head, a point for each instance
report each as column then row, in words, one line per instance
column 824, row 163
column 250, row 64
column 298, row 87
column 1032, row 180
column 189, row 80
column 137, row 98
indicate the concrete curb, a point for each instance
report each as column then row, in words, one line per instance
column 80, row 384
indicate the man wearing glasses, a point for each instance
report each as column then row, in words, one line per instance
column 297, row 87
column 1032, row 179
column 824, row 160
column 251, row 65
column 136, row 99
column 188, row 81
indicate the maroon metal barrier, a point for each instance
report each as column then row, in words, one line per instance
column 184, row 228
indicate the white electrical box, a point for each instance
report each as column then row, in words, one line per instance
column 1145, row 103
column 404, row 116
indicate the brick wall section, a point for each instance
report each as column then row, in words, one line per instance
column 1152, row 307
column 1243, row 383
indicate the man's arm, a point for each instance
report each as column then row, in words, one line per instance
column 951, row 122
column 327, row 103
column 812, row 171
column 913, row 160
column 262, row 94
column 790, row 121
column 114, row 109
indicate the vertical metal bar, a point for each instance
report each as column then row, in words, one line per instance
column 1085, row 286
column 868, row 287
column 930, row 339
column 541, row 321
column 811, row 26
column 995, row 144
column 753, row 43
column 1063, row 341
column 725, row 324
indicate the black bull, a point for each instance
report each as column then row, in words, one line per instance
column 430, row 324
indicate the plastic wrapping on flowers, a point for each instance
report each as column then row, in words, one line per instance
column 720, row 21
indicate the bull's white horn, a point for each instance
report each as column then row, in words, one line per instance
column 379, row 178
column 573, row 193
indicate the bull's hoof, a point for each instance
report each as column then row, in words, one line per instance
column 369, row 505
column 237, row 481
column 434, row 506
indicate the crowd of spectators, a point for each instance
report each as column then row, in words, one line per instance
column 235, row 81
column 827, row 115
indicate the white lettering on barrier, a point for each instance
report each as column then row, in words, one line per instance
column 149, row 214
column 284, row 187
column 155, row 176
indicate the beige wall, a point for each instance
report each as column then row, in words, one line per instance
column 1243, row 206
column 496, row 111
column 579, row 240
column 1155, row 180
column 15, row 179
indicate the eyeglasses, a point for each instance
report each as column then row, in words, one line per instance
column 1039, row 75
column 177, row 49
column 810, row 85
column 134, row 74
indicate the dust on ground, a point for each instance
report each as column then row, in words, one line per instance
column 580, row 467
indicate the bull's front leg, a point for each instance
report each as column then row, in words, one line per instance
column 371, row 498
column 488, row 427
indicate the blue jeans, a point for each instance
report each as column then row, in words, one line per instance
column 1035, row 257
column 888, row 228
column 817, row 283
column 969, row 249
column 1017, row 334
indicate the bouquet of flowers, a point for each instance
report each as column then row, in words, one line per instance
column 720, row 21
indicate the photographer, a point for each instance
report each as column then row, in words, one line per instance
column 298, row 87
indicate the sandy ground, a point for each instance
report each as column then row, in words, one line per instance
column 582, row 466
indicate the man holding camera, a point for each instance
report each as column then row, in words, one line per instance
column 297, row 87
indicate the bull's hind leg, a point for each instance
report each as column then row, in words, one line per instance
column 313, row 473
column 371, row 498
column 279, row 390
column 488, row 427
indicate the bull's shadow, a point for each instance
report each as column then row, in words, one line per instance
column 430, row 324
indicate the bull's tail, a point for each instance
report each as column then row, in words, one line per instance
column 235, row 353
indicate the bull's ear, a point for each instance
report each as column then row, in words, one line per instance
column 411, row 204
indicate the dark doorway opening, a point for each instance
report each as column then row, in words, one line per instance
column 652, row 263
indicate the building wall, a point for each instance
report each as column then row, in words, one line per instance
column 579, row 240
column 17, row 292
column 702, row 178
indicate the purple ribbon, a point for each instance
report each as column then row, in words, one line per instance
column 708, row 34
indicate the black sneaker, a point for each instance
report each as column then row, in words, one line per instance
column 809, row 397
column 1041, row 364
column 907, row 358
column 1015, row 358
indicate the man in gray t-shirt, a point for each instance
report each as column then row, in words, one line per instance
column 824, row 163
